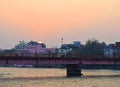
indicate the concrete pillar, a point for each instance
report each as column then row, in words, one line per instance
column 73, row 70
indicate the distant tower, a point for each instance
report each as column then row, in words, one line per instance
column 61, row 41
column 62, row 45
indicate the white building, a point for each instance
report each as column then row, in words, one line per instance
column 67, row 48
column 109, row 52
column 112, row 50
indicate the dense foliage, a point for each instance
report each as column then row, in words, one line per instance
column 20, row 45
column 92, row 47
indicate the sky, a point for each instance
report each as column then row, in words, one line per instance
column 50, row 20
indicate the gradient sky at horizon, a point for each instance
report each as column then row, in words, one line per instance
column 50, row 20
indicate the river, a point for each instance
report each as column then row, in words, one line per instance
column 52, row 77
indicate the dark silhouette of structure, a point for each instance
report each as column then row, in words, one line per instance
column 73, row 64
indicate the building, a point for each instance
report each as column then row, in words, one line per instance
column 77, row 43
column 112, row 50
column 117, row 44
column 33, row 48
column 109, row 50
column 67, row 48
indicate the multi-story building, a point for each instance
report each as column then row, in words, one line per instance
column 67, row 48
column 112, row 50
column 33, row 48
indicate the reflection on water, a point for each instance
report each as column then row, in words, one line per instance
column 41, row 77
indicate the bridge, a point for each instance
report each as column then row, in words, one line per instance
column 73, row 64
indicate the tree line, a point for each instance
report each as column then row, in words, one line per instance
column 91, row 47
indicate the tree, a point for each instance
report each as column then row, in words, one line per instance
column 78, row 50
column 20, row 45
column 93, row 47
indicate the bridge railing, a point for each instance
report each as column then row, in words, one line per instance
column 62, row 55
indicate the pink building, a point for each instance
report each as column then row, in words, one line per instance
column 33, row 48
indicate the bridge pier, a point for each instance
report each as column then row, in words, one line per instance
column 73, row 70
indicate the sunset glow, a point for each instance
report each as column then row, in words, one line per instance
column 49, row 20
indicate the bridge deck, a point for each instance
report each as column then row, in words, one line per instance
column 57, row 60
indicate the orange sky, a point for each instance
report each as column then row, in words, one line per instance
column 49, row 20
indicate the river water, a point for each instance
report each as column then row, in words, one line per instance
column 52, row 77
